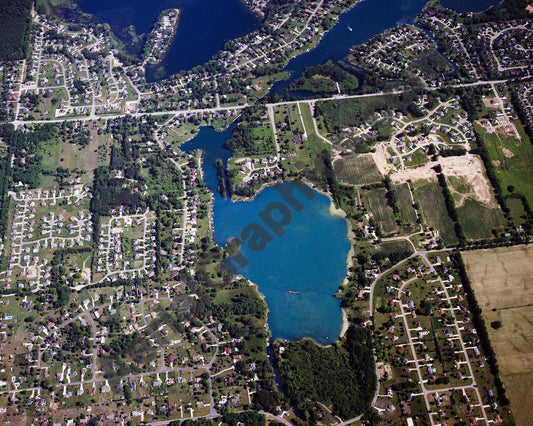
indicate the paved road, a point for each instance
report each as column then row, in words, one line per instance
column 94, row 117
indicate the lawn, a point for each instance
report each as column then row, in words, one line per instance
column 501, row 279
column 294, row 119
column 518, row 213
column 389, row 247
column 431, row 201
column 308, row 152
column 376, row 203
column 357, row 170
column 312, row 137
column 416, row 158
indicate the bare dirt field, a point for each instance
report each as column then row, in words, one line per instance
column 382, row 158
column 491, row 102
column 467, row 166
column 503, row 283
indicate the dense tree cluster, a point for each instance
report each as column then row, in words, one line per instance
column 221, row 178
column 109, row 193
column 241, row 304
column 279, row 7
column 340, row 114
column 341, row 376
column 15, row 24
column 244, row 141
column 329, row 69
column 322, row 78
column 24, row 146
column 248, row 418
column 450, row 206
column 503, row 12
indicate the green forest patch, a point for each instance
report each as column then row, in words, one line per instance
column 339, row 114
column 341, row 376
column 324, row 78
column 15, row 23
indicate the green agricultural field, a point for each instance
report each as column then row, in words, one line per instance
column 407, row 211
column 431, row 201
column 479, row 220
column 357, row 170
column 376, row 203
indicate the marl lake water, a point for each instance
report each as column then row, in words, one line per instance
column 298, row 272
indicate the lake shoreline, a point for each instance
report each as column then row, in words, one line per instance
column 350, row 235
column 161, row 56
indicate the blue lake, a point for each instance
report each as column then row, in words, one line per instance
column 298, row 272
column 204, row 27
column 359, row 24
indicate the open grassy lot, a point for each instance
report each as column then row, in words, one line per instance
column 341, row 113
column 479, row 220
column 389, row 247
column 294, row 118
column 513, row 160
column 357, row 169
column 416, row 158
column 76, row 157
column 308, row 153
column 307, row 118
column 376, row 203
column 518, row 213
column 431, row 201
column 501, row 279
